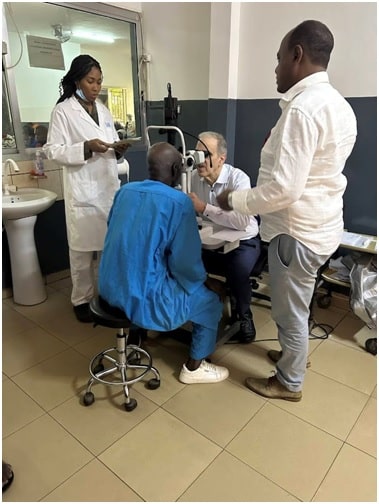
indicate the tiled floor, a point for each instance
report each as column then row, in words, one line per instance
column 215, row 443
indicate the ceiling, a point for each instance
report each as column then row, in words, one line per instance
column 37, row 18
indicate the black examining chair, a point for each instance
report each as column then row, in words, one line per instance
column 124, row 357
column 256, row 274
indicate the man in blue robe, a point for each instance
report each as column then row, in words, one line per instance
column 151, row 265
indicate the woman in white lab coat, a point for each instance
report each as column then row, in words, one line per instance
column 81, row 139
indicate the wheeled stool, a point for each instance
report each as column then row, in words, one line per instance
column 123, row 357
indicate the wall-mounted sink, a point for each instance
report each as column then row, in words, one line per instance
column 20, row 210
column 27, row 202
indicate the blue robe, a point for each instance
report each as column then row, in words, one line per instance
column 151, row 265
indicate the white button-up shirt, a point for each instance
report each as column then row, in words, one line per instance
column 300, row 184
column 229, row 178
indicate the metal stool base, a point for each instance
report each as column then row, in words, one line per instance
column 123, row 358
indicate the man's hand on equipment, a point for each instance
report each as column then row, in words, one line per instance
column 223, row 200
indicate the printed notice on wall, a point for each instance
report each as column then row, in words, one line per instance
column 45, row 53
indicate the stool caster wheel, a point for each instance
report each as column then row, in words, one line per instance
column 324, row 301
column 153, row 384
column 98, row 369
column 131, row 405
column 88, row 399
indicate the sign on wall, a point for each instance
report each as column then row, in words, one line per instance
column 45, row 53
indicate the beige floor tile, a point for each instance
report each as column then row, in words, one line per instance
column 222, row 350
column 43, row 455
column 285, row 449
column 72, row 332
column 331, row 316
column 56, row 305
column 364, row 432
column 63, row 275
column 199, row 406
column 267, row 331
column 261, row 315
column 352, row 478
column 55, row 380
column 99, row 425
column 66, row 291
column 96, row 340
column 290, row 452
column 347, row 329
column 168, row 362
column 160, row 457
column 13, row 322
column 227, row 479
column 18, row 408
column 349, row 366
column 23, row 350
column 248, row 360
column 93, row 483
column 61, row 284
column 327, row 404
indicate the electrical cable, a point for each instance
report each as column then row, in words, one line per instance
column 199, row 140
column 19, row 36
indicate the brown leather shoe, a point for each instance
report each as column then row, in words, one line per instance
column 275, row 355
column 272, row 388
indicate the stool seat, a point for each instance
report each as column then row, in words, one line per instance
column 108, row 316
column 124, row 361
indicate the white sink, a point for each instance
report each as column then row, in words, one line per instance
column 20, row 210
column 27, row 202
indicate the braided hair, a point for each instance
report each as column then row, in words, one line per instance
column 80, row 67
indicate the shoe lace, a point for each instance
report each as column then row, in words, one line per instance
column 207, row 366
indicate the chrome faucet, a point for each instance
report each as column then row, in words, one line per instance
column 7, row 170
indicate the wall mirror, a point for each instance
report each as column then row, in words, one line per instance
column 39, row 42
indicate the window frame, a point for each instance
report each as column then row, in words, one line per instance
column 21, row 153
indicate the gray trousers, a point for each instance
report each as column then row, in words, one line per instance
column 293, row 269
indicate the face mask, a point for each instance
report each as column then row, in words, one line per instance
column 80, row 93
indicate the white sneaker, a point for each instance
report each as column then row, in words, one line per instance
column 205, row 373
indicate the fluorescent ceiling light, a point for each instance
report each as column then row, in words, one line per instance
column 95, row 37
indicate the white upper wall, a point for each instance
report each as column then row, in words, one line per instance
column 178, row 37
column 352, row 67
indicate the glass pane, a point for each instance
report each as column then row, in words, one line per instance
column 110, row 41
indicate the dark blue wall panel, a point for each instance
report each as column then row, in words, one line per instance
column 245, row 124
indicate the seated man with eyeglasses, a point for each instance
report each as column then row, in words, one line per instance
column 209, row 180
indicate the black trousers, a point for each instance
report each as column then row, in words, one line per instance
column 236, row 267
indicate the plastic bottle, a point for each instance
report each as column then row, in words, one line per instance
column 39, row 168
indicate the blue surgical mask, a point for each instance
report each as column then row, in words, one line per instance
column 80, row 93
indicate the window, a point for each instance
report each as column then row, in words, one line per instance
column 41, row 41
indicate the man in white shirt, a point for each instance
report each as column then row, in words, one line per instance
column 299, row 195
column 210, row 179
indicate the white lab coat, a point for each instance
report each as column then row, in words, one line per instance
column 89, row 186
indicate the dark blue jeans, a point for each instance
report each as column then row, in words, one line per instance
column 236, row 267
